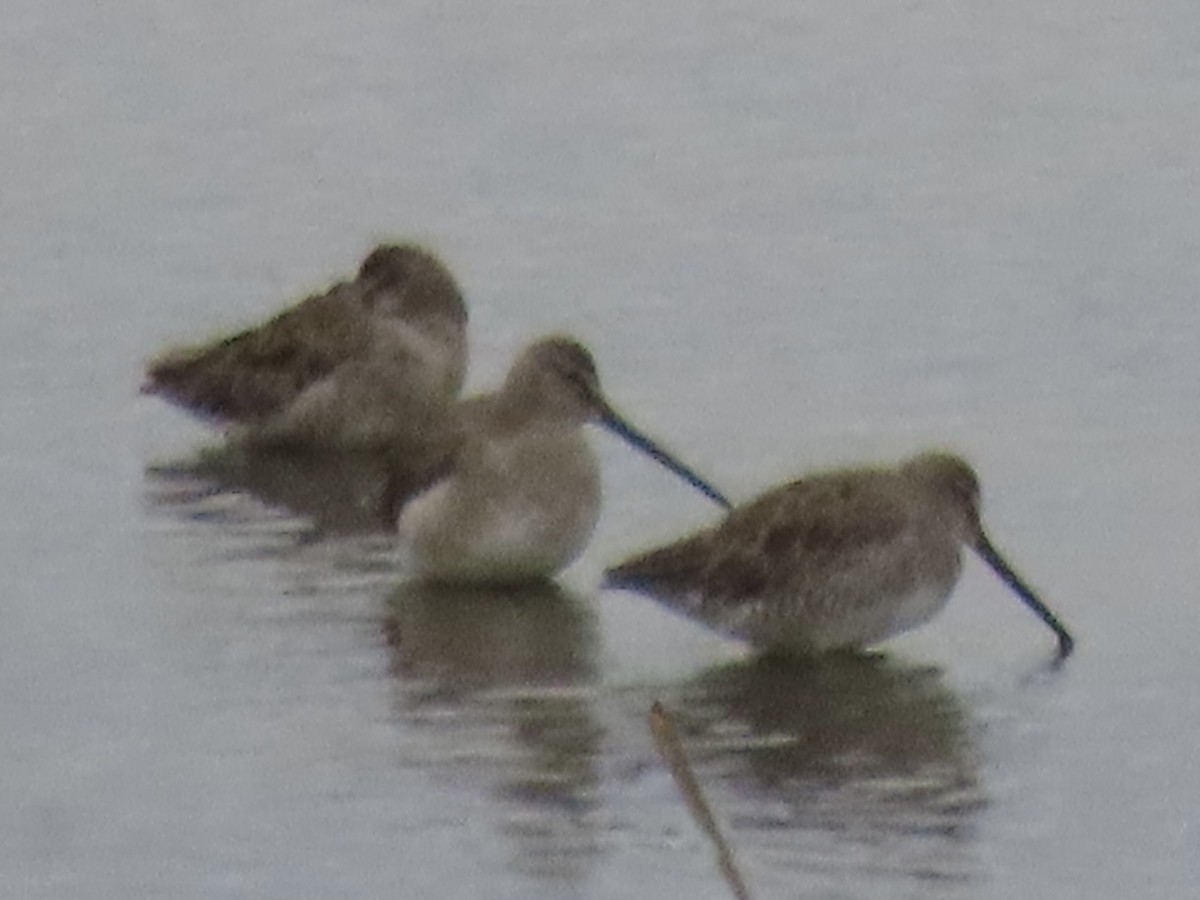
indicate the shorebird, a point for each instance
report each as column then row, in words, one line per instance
column 515, row 491
column 366, row 362
column 838, row 560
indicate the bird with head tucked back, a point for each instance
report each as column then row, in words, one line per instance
column 837, row 560
column 366, row 363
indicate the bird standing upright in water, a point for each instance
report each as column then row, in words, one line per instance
column 515, row 494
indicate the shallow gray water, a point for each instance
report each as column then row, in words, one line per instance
column 794, row 236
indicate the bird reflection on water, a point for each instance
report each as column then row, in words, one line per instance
column 337, row 493
column 468, row 639
column 493, row 688
column 851, row 750
column 815, row 764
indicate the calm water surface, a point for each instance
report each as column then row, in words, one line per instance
column 794, row 236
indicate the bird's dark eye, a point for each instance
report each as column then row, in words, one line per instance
column 578, row 361
column 575, row 365
column 966, row 490
column 578, row 380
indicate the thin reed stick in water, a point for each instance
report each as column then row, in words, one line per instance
column 666, row 738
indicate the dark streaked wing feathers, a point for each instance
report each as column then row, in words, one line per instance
column 261, row 370
column 830, row 520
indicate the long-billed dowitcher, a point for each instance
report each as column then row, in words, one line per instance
column 842, row 559
column 366, row 361
column 516, row 493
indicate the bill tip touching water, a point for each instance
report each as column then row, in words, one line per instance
column 503, row 487
column 842, row 559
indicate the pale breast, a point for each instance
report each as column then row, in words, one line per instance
column 428, row 356
column 402, row 383
column 520, row 507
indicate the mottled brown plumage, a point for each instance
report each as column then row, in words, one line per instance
column 840, row 559
column 366, row 360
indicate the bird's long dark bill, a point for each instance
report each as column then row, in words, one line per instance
column 992, row 557
column 618, row 426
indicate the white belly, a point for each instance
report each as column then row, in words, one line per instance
column 525, row 515
column 806, row 631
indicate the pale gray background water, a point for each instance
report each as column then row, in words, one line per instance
column 794, row 234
